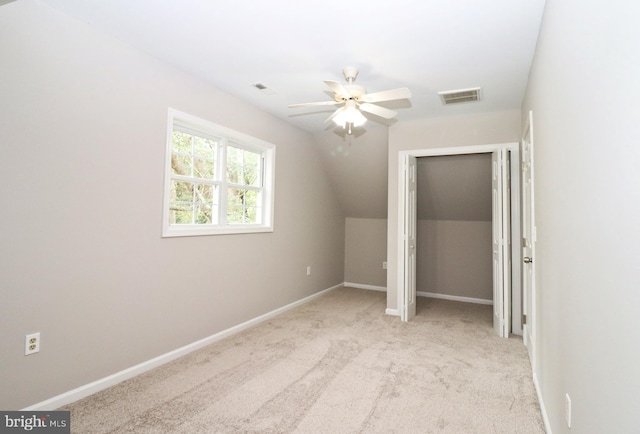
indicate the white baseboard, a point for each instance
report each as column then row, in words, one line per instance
column 454, row 298
column 394, row 312
column 543, row 409
column 111, row 380
column 361, row 286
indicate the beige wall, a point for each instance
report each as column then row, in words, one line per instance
column 357, row 168
column 365, row 250
column 583, row 90
column 454, row 258
column 82, row 139
column 453, row 131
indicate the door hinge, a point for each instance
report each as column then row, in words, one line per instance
column 524, row 319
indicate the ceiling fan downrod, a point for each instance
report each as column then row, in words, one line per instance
column 350, row 73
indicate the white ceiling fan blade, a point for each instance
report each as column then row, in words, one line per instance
column 387, row 95
column 338, row 88
column 334, row 114
column 313, row 104
column 377, row 110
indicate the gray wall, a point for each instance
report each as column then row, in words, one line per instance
column 365, row 250
column 454, row 212
column 357, row 168
column 82, row 138
column 454, row 254
column 583, row 91
column 454, row 258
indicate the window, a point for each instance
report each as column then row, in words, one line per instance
column 217, row 180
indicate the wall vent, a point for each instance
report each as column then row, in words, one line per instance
column 458, row 96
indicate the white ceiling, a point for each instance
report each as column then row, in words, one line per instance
column 292, row 46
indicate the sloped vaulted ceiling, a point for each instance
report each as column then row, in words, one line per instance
column 291, row 46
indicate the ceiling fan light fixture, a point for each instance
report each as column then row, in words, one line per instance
column 349, row 115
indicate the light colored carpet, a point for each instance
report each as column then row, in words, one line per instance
column 335, row 365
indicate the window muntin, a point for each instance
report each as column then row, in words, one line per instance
column 218, row 180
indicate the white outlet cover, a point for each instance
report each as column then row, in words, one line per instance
column 32, row 344
column 567, row 409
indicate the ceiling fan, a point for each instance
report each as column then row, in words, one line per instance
column 356, row 100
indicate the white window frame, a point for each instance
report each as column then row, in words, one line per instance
column 239, row 140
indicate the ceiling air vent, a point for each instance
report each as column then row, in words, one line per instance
column 457, row 96
column 264, row 88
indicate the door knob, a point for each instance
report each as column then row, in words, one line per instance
column 528, row 260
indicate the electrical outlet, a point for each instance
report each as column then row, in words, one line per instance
column 309, row 270
column 567, row 409
column 32, row 344
column 384, row 265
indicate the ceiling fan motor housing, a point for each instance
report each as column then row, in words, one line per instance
column 356, row 91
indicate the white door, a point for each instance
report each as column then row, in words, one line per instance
column 501, row 241
column 409, row 308
column 506, row 244
column 528, row 240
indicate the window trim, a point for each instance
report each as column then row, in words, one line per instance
column 239, row 140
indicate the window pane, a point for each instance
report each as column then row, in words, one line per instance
column 235, row 196
column 204, row 193
column 203, row 168
column 193, row 155
column 181, row 214
column 251, row 215
column 243, row 167
column 181, row 164
column 181, row 191
column 182, row 142
column 234, row 214
column 203, row 213
column 234, row 165
column 234, row 174
column 250, row 198
column 193, row 203
column 242, row 206
column 205, row 148
column 234, row 156
column 251, row 168
column 251, row 176
column 237, row 214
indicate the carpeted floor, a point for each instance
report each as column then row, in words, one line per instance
column 335, row 365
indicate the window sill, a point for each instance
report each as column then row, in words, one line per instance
column 191, row 231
